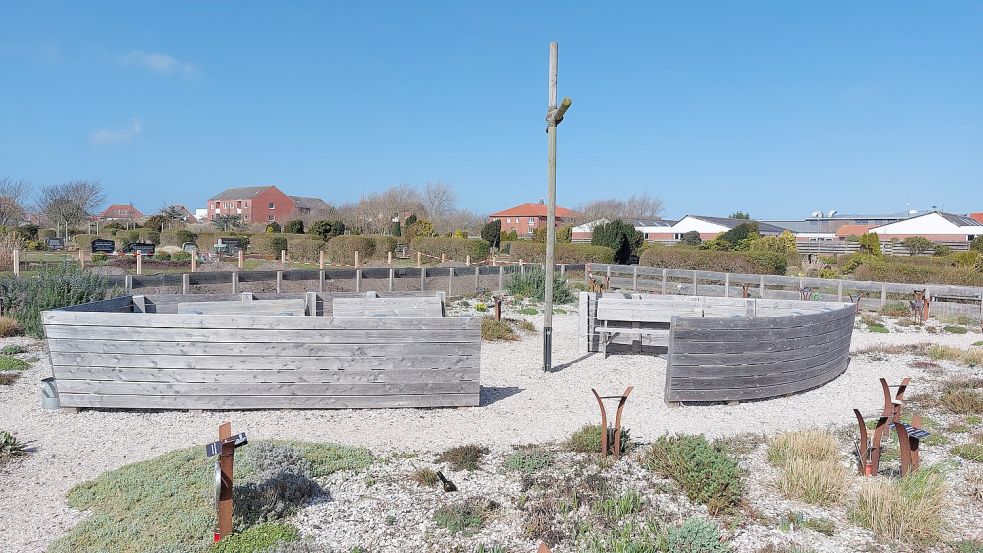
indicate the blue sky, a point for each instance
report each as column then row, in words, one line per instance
column 777, row 108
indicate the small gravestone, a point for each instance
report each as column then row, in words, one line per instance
column 102, row 246
column 54, row 244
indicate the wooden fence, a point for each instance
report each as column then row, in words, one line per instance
column 121, row 353
column 945, row 298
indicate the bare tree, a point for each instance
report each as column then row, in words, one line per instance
column 13, row 199
column 438, row 200
column 70, row 202
column 462, row 219
column 638, row 206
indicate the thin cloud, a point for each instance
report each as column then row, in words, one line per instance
column 102, row 137
column 162, row 64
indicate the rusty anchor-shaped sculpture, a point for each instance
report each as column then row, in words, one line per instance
column 615, row 432
column 909, row 435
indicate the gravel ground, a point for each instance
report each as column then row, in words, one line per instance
column 519, row 405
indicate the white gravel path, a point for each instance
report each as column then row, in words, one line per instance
column 520, row 405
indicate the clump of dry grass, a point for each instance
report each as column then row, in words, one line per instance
column 951, row 353
column 493, row 330
column 810, row 465
column 963, row 396
column 9, row 327
column 424, row 477
column 908, row 510
column 974, row 485
column 465, row 457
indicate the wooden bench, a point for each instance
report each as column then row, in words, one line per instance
column 431, row 306
column 617, row 316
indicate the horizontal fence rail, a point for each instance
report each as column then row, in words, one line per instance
column 945, row 298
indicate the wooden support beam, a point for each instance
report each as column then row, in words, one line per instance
column 185, row 283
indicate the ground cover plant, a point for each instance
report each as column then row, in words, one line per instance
column 10, row 447
column 532, row 284
column 588, row 440
column 164, row 503
column 705, row 471
column 465, row 457
column 810, row 466
column 11, row 363
column 504, row 330
column 907, row 510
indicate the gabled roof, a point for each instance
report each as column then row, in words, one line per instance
column 960, row 220
column 533, row 210
column 731, row 223
column 242, row 193
column 304, row 202
column 112, row 210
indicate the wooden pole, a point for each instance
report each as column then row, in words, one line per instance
column 443, row 258
column 194, row 261
column 477, row 277
column 185, row 283
column 467, row 260
column 242, row 260
column 320, row 281
column 419, row 260
column 320, row 260
column 356, row 259
column 392, row 277
column 283, row 257
column 423, row 277
column 235, row 282
column 279, row 282
column 389, row 258
column 450, row 282
column 81, row 258
column 226, row 461
column 501, row 277
column 358, row 278
column 139, row 263
column 16, row 263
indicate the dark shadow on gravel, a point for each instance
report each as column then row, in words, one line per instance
column 491, row 394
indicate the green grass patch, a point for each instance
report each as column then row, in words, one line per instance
column 705, row 471
column 465, row 517
column 970, row 452
column 256, row 539
column 11, row 363
column 630, row 537
column 588, row 440
column 907, row 510
column 954, row 329
column 10, row 447
column 328, row 458
column 878, row 328
column 493, row 330
column 12, row 350
column 978, row 344
column 465, row 457
column 529, row 311
column 613, row 509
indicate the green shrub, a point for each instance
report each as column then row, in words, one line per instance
column 492, row 233
column 532, row 284
column 11, row 363
column 9, row 326
column 977, row 244
column 51, row 288
column 696, row 535
column 425, row 477
column 465, row 517
column 563, row 253
column 177, row 237
column 273, row 228
column 705, row 471
column 328, row 458
column 493, row 330
column 955, row 329
column 588, row 440
column 161, row 256
column 454, row 248
column 941, row 250
column 256, row 539
column 326, row 230
column 10, row 446
column 628, row 537
column 897, row 309
column 691, row 238
column 295, row 226
column 676, row 257
column 341, row 249
column 282, row 485
column 181, row 256
column 383, row 245
column 279, row 244
column 870, row 244
column 11, row 349
column 621, row 237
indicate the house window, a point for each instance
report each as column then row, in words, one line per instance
column 532, row 221
column 508, row 219
column 272, row 206
column 218, row 205
column 239, row 204
column 270, row 216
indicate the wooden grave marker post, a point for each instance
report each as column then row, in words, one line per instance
column 225, row 449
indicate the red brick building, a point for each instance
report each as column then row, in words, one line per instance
column 256, row 204
column 120, row 212
column 526, row 218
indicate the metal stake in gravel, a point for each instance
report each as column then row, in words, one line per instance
column 553, row 117
column 614, row 433
column 225, row 448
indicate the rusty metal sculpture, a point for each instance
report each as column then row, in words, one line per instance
column 909, row 435
column 599, row 286
column 856, row 299
column 615, row 432
column 745, row 290
column 543, row 548
column 919, row 306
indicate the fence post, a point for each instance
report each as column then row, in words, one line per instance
column 235, row 282
column 139, row 263
column 283, row 257
column 128, row 284
column 634, row 278
column 423, row 276
column 358, row 278
column 665, row 280
column 467, row 260
column 242, row 260
column 883, row 294
column 443, row 258
column 419, row 262
column 81, row 258
column 501, row 279
column 356, row 259
column 450, row 282
column 16, row 263
column 696, row 286
column 194, row 261
column 320, row 281
column 587, row 274
column 389, row 258
column 477, row 275
column 185, row 283
column 392, row 276
column 563, row 270
column 522, row 268
column 279, row 282
column 320, row 260
column 761, row 287
column 839, row 291
column 726, row 285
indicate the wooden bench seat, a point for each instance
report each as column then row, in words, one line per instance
column 281, row 308
column 430, row 306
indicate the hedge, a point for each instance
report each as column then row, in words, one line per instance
column 382, row 245
column 177, row 237
column 672, row 257
column 454, row 248
column 304, row 248
column 341, row 249
column 262, row 244
column 84, row 241
column 918, row 274
column 565, row 253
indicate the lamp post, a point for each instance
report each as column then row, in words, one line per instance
column 554, row 115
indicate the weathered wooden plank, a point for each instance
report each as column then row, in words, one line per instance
column 122, row 304
column 728, row 365
column 130, row 374
column 754, row 346
column 760, row 322
column 289, row 349
column 338, row 389
column 134, row 320
column 277, row 308
column 266, row 402
column 249, row 362
column 314, row 336
column 764, row 392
